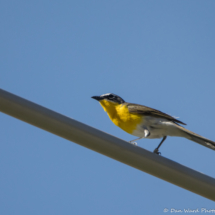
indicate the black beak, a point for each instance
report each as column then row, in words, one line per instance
column 98, row 98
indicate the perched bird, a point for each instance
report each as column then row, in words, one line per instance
column 145, row 122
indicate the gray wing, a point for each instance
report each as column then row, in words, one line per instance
column 147, row 111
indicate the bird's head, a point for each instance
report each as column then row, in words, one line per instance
column 109, row 97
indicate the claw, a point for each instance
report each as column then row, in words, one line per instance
column 133, row 143
column 157, row 152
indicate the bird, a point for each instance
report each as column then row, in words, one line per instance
column 145, row 122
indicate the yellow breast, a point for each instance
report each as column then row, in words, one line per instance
column 121, row 117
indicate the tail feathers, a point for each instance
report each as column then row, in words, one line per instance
column 198, row 139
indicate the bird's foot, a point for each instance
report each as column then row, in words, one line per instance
column 157, row 152
column 133, row 143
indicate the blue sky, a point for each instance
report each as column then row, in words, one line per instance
column 60, row 53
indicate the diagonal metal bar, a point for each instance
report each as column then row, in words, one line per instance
column 108, row 145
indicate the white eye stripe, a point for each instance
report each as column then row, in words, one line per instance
column 112, row 97
column 106, row 94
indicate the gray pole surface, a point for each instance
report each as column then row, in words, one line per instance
column 108, row 145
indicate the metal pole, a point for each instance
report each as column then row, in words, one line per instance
column 108, row 145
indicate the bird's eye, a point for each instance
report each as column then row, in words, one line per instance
column 110, row 96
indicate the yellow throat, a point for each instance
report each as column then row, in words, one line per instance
column 120, row 116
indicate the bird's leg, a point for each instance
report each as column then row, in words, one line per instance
column 134, row 143
column 146, row 134
column 156, row 150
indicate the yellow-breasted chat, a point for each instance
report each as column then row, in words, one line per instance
column 146, row 122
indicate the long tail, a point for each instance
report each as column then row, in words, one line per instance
column 197, row 138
